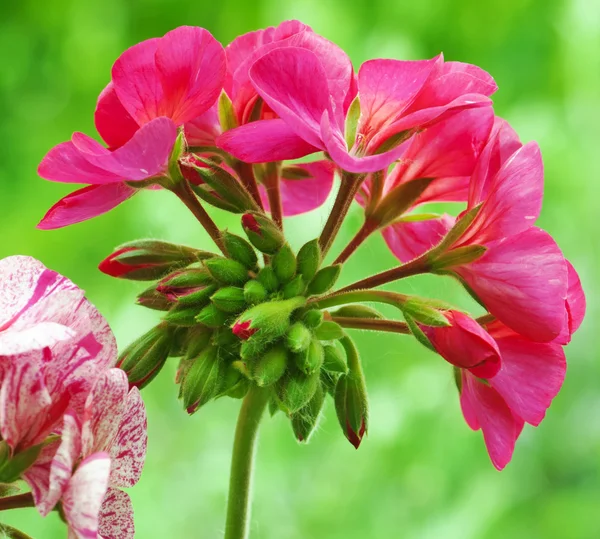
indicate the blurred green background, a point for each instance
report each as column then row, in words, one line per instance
column 421, row 473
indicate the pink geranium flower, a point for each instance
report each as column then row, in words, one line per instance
column 157, row 85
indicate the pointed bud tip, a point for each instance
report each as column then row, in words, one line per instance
column 242, row 330
column 249, row 222
column 355, row 438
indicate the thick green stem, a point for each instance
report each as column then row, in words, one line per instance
column 17, row 502
column 358, row 296
column 242, row 463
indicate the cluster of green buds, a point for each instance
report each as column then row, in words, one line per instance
column 244, row 319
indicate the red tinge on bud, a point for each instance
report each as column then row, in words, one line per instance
column 113, row 267
column 249, row 222
column 243, row 331
column 355, row 438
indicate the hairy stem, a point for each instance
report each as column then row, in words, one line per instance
column 242, row 463
column 246, row 175
column 272, row 183
column 350, row 183
column 17, row 502
column 183, row 190
column 374, row 324
column 365, row 231
column 358, row 296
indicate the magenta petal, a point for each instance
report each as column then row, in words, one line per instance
column 204, row 129
column 280, row 77
column 576, row 303
column 446, row 190
column 522, row 280
column 531, row 376
column 116, row 516
column 191, row 67
column 144, row 155
column 38, row 475
column 83, row 498
column 113, row 122
column 104, row 409
column 85, row 203
column 129, row 448
column 499, row 426
column 264, row 141
column 467, row 407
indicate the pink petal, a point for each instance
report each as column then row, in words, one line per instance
column 85, row 203
column 38, row 475
column 410, row 239
column 446, row 190
column 113, row 122
column 36, row 337
column 116, row 516
column 500, row 428
column 576, row 303
column 465, row 344
column 467, row 407
column 129, row 448
column 531, row 376
column 280, row 77
column 104, row 409
column 83, row 498
column 143, row 156
column 264, row 141
column 522, row 280
column 191, row 67
column 204, row 129
column 307, row 193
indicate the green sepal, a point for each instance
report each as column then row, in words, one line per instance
column 458, row 257
column 418, row 332
column 203, row 380
column 240, row 250
column 254, row 292
column 352, row 117
column 227, row 271
column 295, row 390
column 296, row 287
column 309, row 259
column 298, row 337
column 311, row 359
column 12, row 469
column 423, row 313
column 226, row 113
column 212, row 317
column 229, row 299
column 324, row 280
column 262, row 232
column 313, row 318
column 357, row 311
column 271, row 366
column 305, row 420
column 284, row 264
column 153, row 299
column 182, row 315
column 266, row 276
column 334, row 360
column 329, row 331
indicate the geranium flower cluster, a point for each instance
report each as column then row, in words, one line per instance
column 224, row 127
column 71, row 427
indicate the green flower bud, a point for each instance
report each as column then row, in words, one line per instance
column 227, row 271
column 197, row 298
column 234, row 384
column 311, row 359
column 298, row 337
column 329, row 331
column 266, row 277
column 211, row 317
column 143, row 359
column 309, row 259
column 240, row 250
column 313, row 318
column 271, row 366
column 223, row 336
column 329, row 381
column 153, row 299
column 182, row 281
column 296, row 287
column 284, row 264
column 254, row 292
column 334, row 360
column 252, row 348
column 324, row 279
column 204, row 379
column 357, row 311
column 262, row 232
column 181, row 315
column 296, row 389
column 197, row 340
column 229, row 299
column 305, row 420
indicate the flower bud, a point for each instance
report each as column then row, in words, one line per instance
column 324, row 279
column 266, row 276
column 184, row 282
column 144, row 358
column 254, row 292
column 334, row 360
column 298, row 337
column 204, row 379
column 223, row 336
column 147, row 260
column 329, row 331
column 227, row 271
column 240, row 250
column 197, row 340
column 313, row 318
column 182, row 315
column 197, row 298
column 357, row 311
column 457, row 257
column 271, row 366
column 229, row 299
column 418, row 309
column 309, row 259
column 235, row 385
column 262, row 232
column 252, row 348
column 153, row 299
column 305, row 420
column 295, row 390
column 310, row 360
column 211, row 317
column 296, row 287
column 284, row 264
column 243, row 331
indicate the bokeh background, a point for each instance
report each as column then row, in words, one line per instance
column 421, row 473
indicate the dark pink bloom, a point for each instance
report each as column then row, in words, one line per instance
column 242, row 330
column 249, row 222
column 465, row 344
column 156, row 85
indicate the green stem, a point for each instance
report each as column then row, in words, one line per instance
column 358, row 296
column 242, row 463
column 365, row 231
column 272, row 183
column 246, row 175
column 17, row 502
column 373, row 324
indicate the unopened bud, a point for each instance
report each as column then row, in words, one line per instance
column 296, row 287
column 298, row 337
column 266, row 276
column 357, row 311
column 271, row 366
column 234, row 384
column 153, row 299
column 324, row 279
column 252, row 348
column 313, row 318
column 262, row 232
column 305, row 420
column 458, row 257
column 182, row 315
column 147, row 260
column 310, row 360
column 203, row 380
column 309, row 259
column 211, row 317
column 240, row 250
column 284, row 264
column 296, row 389
column 329, row 331
column 183, row 282
column 229, row 299
column 334, row 360
column 254, row 292
column 144, row 358
column 227, row 271
column 418, row 309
